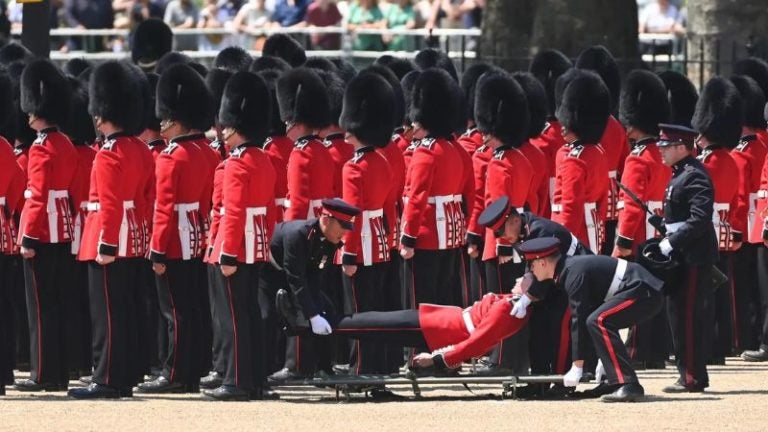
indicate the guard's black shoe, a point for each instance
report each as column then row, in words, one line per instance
column 227, row 393
column 2, row 389
column 192, row 387
column 656, row 365
column 126, row 392
column 161, row 385
column 601, row 389
column 86, row 379
column 530, row 391
column 759, row 355
column 717, row 361
column 679, row 388
column 264, row 394
column 29, row 385
column 490, row 370
column 383, row 394
column 341, row 369
column 285, row 374
column 629, row 392
column 94, row 391
column 211, row 381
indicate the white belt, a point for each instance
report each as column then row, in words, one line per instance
column 254, row 231
column 556, row 208
column 2, row 200
column 467, row 317
column 185, row 227
column 573, row 246
column 650, row 230
column 95, row 206
column 366, row 234
column 221, row 211
column 673, row 227
column 612, row 174
column 762, row 193
column 592, row 226
column 441, row 218
column 551, row 189
column 282, row 202
column 53, row 211
column 127, row 224
column 718, row 207
column 618, row 277
column 27, row 194
column 751, row 215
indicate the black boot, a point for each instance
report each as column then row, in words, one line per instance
column 211, row 381
column 29, row 385
column 161, row 385
column 759, row 355
column 629, row 392
column 94, row 391
column 228, row 393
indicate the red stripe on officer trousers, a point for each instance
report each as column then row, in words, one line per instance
column 565, row 340
column 693, row 275
column 607, row 338
column 234, row 330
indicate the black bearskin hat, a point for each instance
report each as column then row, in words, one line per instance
column 152, row 39
column 233, row 59
column 182, row 96
column 682, row 97
column 643, row 103
column 537, row 102
column 436, row 102
column 753, row 99
column 302, row 98
column 585, row 104
column 547, row 66
column 501, row 108
column 246, row 106
column 115, row 95
column 285, row 47
column 369, row 107
column 597, row 58
column 45, row 92
column 719, row 113
column 432, row 58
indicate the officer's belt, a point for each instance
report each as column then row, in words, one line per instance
column 673, row 227
column 618, row 278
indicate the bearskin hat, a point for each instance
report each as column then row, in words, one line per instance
column 682, row 97
column 246, row 106
column 233, row 59
column 501, row 108
column 269, row 62
column 432, row 58
column 170, row 59
column 643, row 103
column 216, row 81
column 302, row 98
column 469, row 82
column 152, row 39
column 585, row 104
column 116, row 96
column 334, row 86
column 369, row 106
column 346, row 70
column 285, row 47
column 15, row 52
column 755, row 68
column 399, row 66
column 719, row 113
column 753, row 101
column 24, row 133
column 321, row 63
column 45, row 91
column 76, row 66
column 397, row 89
column 547, row 66
column 436, row 102
column 597, row 58
column 8, row 111
column 277, row 127
column 150, row 117
column 79, row 128
column 407, row 83
column 182, row 96
column 537, row 102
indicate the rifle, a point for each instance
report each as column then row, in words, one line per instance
column 655, row 220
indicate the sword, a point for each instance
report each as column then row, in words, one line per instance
column 655, row 220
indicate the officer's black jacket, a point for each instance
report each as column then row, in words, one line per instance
column 690, row 198
column 300, row 250
column 586, row 280
column 538, row 227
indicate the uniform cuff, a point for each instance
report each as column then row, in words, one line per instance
column 505, row 250
column 474, row 239
column 737, row 236
column 156, row 257
column 349, row 258
column 228, row 260
column 29, row 242
column 408, row 241
column 624, row 242
column 107, row 249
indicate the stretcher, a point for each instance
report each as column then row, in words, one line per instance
column 345, row 385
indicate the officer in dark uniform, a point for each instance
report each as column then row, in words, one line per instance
column 605, row 294
column 688, row 207
column 301, row 253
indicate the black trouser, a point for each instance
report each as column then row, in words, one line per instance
column 477, row 279
column 430, row 277
column 204, row 324
column 270, row 280
column 762, row 278
column 747, row 297
column 113, row 320
column 610, row 237
column 242, row 339
column 690, row 318
column 724, row 330
column 366, row 291
column 618, row 312
column 550, row 340
column 395, row 299
column 461, row 286
column 78, row 319
column 177, row 299
column 219, row 360
column 15, row 276
column 649, row 341
column 512, row 352
column 7, row 324
column 151, row 324
column 395, row 327
column 46, row 278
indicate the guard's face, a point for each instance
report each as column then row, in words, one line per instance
column 671, row 154
column 332, row 230
column 512, row 229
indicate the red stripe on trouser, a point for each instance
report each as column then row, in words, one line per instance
column 607, row 338
column 175, row 329
column 234, row 331
column 734, row 318
column 109, row 325
column 565, row 340
column 690, row 308
column 298, row 353
column 39, row 324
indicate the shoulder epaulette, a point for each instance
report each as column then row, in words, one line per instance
column 547, row 125
column 18, row 151
column 302, row 144
column 576, row 151
column 267, row 142
column 171, row 148
column 108, row 145
column 394, row 137
column 357, row 156
column 743, row 144
column 704, row 155
column 40, row 139
column 428, row 143
column 237, row 152
column 413, row 145
column 327, row 143
column 216, row 144
column 638, row 150
column 481, row 149
column 498, row 154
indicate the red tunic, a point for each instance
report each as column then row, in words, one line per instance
column 471, row 140
column 212, row 158
column 80, row 191
column 647, row 177
column 432, row 215
column 539, row 192
column 156, row 147
column 278, row 149
column 510, row 174
column 47, row 216
column 248, row 208
column 394, row 156
column 616, row 146
column 113, row 226
column 11, row 190
column 480, row 160
column 445, row 328
column 581, row 193
column 725, row 175
column 22, row 159
column 550, row 142
column 756, row 151
column 310, row 179
column 468, row 190
column 367, row 185
column 217, row 203
column 340, row 151
column 178, row 224
column 145, row 195
column 760, row 230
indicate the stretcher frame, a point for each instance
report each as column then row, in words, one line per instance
column 346, row 385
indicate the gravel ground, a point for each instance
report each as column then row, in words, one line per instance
column 737, row 398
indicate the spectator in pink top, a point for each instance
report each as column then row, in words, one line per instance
column 323, row 13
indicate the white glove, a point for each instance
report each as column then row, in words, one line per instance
column 320, row 326
column 518, row 310
column 572, row 378
column 665, row 246
column 599, row 371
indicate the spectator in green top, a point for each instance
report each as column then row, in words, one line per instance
column 366, row 14
column 400, row 15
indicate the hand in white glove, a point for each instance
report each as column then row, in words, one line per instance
column 519, row 309
column 320, row 326
column 572, row 378
column 665, row 246
column 599, row 371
